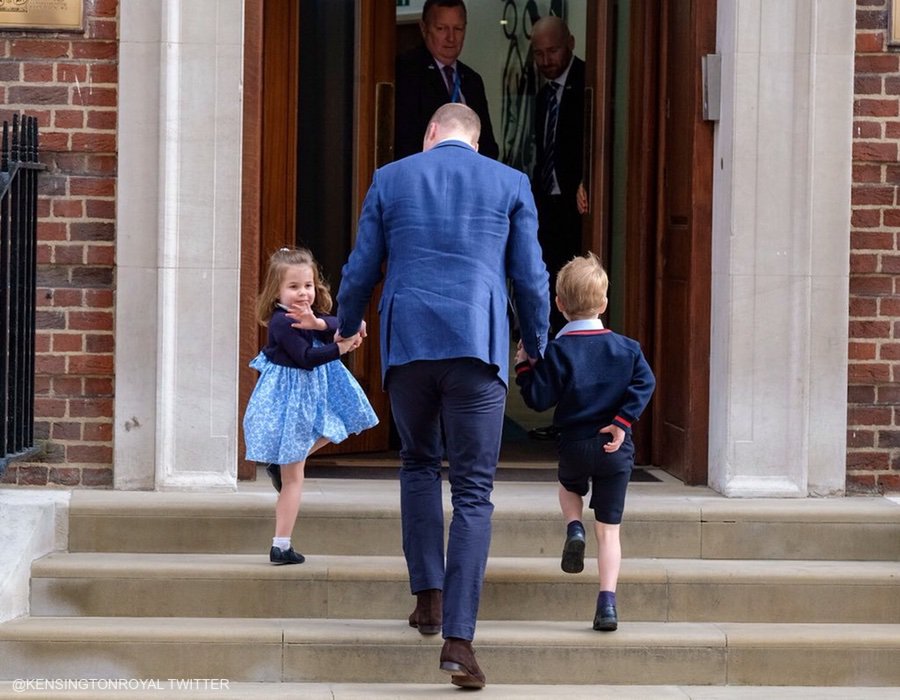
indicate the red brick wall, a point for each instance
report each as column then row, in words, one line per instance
column 873, row 416
column 69, row 82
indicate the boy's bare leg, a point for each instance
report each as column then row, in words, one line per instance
column 609, row 555
column 572, row 505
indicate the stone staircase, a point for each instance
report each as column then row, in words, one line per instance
column 717, row 597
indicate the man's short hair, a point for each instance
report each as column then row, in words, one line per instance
column 443, row 3
column 582, row 284
column 457, row 116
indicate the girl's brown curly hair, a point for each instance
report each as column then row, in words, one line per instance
column 282, row 259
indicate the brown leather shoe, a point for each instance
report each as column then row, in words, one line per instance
column 429, row 611
column 458, row 659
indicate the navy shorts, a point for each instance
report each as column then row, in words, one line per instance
column 583, row 464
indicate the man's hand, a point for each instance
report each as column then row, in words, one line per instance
column 361, row 333
column 581, row 199
column 305, row 318
column 618, row 435
column 346, row 345
column 521, row 355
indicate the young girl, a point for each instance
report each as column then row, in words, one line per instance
column 304, row 397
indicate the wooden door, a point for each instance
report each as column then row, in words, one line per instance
column 275, row 153
column 683, row 244
column 598, row 127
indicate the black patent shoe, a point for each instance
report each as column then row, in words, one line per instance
column 573, row 553
column 285, row 556
column 274, row 472
column 605, row 619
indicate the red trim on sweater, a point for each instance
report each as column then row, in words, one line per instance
column 599, row 331
column 623, row 421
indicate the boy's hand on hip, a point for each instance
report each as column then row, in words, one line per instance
column 618, row 436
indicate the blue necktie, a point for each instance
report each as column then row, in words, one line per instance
column 452, row 84
column 549, row 166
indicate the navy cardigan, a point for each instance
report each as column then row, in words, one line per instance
column 594, row 378
column 293, row 347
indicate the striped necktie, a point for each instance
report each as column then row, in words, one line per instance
column 452, row 87
column 549, row 167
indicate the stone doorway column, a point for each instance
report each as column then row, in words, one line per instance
column 781, row 222
column 178, row 244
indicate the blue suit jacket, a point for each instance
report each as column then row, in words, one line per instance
column 452, row 226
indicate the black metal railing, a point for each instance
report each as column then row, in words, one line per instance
column 19, row 169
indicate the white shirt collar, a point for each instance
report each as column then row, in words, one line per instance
column 585, row 324
column 441, row 66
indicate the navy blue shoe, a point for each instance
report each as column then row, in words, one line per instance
column 285, row 556
column 573, row 553
column 605, row 619
column 274, row 472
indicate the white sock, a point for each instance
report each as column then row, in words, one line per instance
column 283, row 543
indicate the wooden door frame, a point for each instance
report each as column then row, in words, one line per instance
column 643, row 209
column 269, row 179
column 640, row 197
column 251, row 207
column 696, row 449
column 375, row 19
column 598, row 126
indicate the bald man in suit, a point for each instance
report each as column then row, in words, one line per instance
column 559, row 141
column 450, row 227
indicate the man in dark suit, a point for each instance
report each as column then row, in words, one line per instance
column 452, row 227
column 430, row 75
column 559, row 137
column 559, row 140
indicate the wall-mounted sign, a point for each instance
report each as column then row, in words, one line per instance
column 47, row 15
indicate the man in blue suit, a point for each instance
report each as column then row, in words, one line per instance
column 452, row 227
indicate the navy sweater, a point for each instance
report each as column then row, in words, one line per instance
column 593, row 377
column 293, row 347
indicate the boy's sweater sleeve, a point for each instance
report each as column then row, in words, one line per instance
column 541, row 386
column 638, row 394
column 296, row 344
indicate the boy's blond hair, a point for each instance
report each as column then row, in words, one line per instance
column 581, row 286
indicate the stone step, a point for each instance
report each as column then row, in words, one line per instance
column 334, row 586
column 351, row 517
column 374, row 651
column 224, row 688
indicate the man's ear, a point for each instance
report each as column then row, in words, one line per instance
column 430, row 136
column 604, row 305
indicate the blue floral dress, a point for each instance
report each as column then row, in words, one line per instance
column 291, row 407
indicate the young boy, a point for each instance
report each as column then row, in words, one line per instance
column 600, row 384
